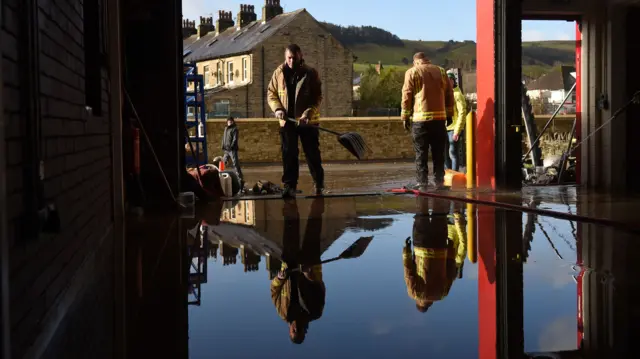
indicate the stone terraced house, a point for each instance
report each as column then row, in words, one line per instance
column 238, row 59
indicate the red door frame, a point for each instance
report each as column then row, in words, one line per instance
column 578, row 134
column 485, row 179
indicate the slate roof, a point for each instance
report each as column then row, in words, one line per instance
column 233, row 41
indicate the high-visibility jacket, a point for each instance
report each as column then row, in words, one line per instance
column 308, row 93
column 457, row 235
column 459, row 112
column 427, row 94
column 429, row 273
column 309, row 300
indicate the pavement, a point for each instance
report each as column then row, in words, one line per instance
column 612, row 209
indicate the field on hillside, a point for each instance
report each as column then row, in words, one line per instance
column 537, row 57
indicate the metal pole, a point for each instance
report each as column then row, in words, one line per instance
column 470, row 146
column 549, row 122
column 566, row 154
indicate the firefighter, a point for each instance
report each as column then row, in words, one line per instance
column 455, row 128
column 295, row 92
column 299, row 297
column 427, row 101
column 436, row 261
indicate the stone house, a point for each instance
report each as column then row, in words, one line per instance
column 238, row 59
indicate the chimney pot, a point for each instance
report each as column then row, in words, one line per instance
column 246, row 15
column 225, row 21
column 271, row 9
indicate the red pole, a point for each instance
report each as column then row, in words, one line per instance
column 485, row 178
column 485, row 126
column 578, row 134
column 487, row 301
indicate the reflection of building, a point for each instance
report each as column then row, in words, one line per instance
column 198, row 248
column 256, row 228
column 241, row 212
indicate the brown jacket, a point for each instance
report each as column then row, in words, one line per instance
column 427, row 94
column 308, row 93
column 430, row 274
column 311, row 291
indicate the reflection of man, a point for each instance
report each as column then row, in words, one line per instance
column 431, row 269
column 299, row 296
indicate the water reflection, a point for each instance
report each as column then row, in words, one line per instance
column 438, row 255
column 299, row 296
column 369, row 307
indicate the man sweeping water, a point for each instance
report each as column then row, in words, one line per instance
column 295, row 91
column 427, row 96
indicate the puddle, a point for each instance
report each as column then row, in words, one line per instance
column 366, row 307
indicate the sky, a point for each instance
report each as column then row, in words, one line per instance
column 409, row 19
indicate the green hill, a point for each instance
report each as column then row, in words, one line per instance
column 372, row 45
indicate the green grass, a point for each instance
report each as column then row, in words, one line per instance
column 538, row 58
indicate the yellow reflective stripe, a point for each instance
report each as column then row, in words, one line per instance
column 431, row 253
column 406, row 112
column 429, row 113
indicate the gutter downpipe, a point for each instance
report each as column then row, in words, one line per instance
column 264, row 90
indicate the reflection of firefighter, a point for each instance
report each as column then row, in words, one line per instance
column 299, row 296
column 439, row 253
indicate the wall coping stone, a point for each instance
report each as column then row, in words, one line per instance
column 360, row 119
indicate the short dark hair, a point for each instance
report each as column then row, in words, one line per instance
column 419, row 56
column 230, row 118
column 293, row 48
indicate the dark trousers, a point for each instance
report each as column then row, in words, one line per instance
column 429, row 134
column 310, row 139
column 233, row 154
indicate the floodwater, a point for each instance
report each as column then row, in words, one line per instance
column 409, row 284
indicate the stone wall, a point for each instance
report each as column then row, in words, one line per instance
column 260, row 141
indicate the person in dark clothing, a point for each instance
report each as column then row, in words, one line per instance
column 299, row 297
column 230, row 145
column 295, row 92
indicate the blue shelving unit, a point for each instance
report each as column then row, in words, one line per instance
column 194, row 99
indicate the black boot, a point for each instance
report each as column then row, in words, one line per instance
column 289, row 191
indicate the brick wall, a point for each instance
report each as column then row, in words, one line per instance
column 260, row 139
column 77, row 165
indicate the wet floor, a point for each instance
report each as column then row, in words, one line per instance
column 407, row 284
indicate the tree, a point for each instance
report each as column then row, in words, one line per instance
column 384, row 90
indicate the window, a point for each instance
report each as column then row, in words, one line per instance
column 94, row 53
column 220, row 109
column 230, row 72
column 207, row 76
column 245, row 69
column 218, row 74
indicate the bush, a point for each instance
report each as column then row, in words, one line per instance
column 381, row 90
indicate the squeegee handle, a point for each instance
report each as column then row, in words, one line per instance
column 318, row 127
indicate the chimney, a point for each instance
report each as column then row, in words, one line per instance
column 188, row 28
column 225, row 21
column 246, row 15
column 271, row 9
column 206, row 26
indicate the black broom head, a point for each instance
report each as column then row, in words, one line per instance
column 354, row 143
